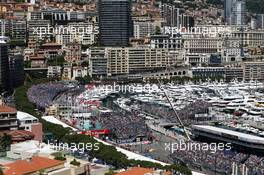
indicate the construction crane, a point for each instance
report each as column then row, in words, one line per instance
column 175, row 112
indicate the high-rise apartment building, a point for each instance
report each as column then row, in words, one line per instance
column 175, row 18
column 8, row 118
column 15, row 29
column 143, row 29
column 4, row 65
column 115, row 22
column 228, row 10
column 171, row 15
column 239, row 13
column 16, row 69
column 260, row 21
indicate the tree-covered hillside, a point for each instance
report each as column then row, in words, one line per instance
column 255, row 6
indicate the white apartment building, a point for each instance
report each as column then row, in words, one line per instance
column 143, row 29
column 79, row 72
column 16, row 28
column 250, row 38
column 197, row 50
column 239, row 13
column 54, row 71
column 38, row 29
column 203, row 45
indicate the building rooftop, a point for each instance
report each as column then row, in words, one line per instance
column 29, row 166
column 25, row 116
column 7, row 109
column 19, row 135
column 33, row 147
column 140, row 171
column 235, row 134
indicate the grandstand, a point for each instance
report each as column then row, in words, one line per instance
column 238, row 139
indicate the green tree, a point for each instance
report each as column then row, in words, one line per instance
column 5, row 142
column 84, row 80
column 42, row 172
column 255, row 6
column 157, row 30
column 75, row 162
column 57, row 61
column 59, row 156
column 110, row 172
column 85, row 64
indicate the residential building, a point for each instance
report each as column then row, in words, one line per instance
column 4, row 65
column 208, row 72
column 260, row 21
column 35, row 165
column 85, row 33
column 15, row 29
column 115, row 22
column 197, row 50
column 79, row 72
column 253, row 71
column 231, row 55
column 37, row 158
column 25, row 150
column 167, row 41
column 144, row 171
column 67, row 72
column 8, row 118
column 117, row 61
column 250, row 38
column 174, row 17
column 37, row 61
column 16, row 69
column 51, row 50
column 73, row 52
column 143, row 29
column 171, row 15
column 30, row 123
column 39, row 29
column 54, row 71
column 239, row 13
column 18, row 135
column 35, row 15
column 203, row 45
column 98, row 62
column 228, row 10
column 232, row 73
column 196, row 59
column 135, row 60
